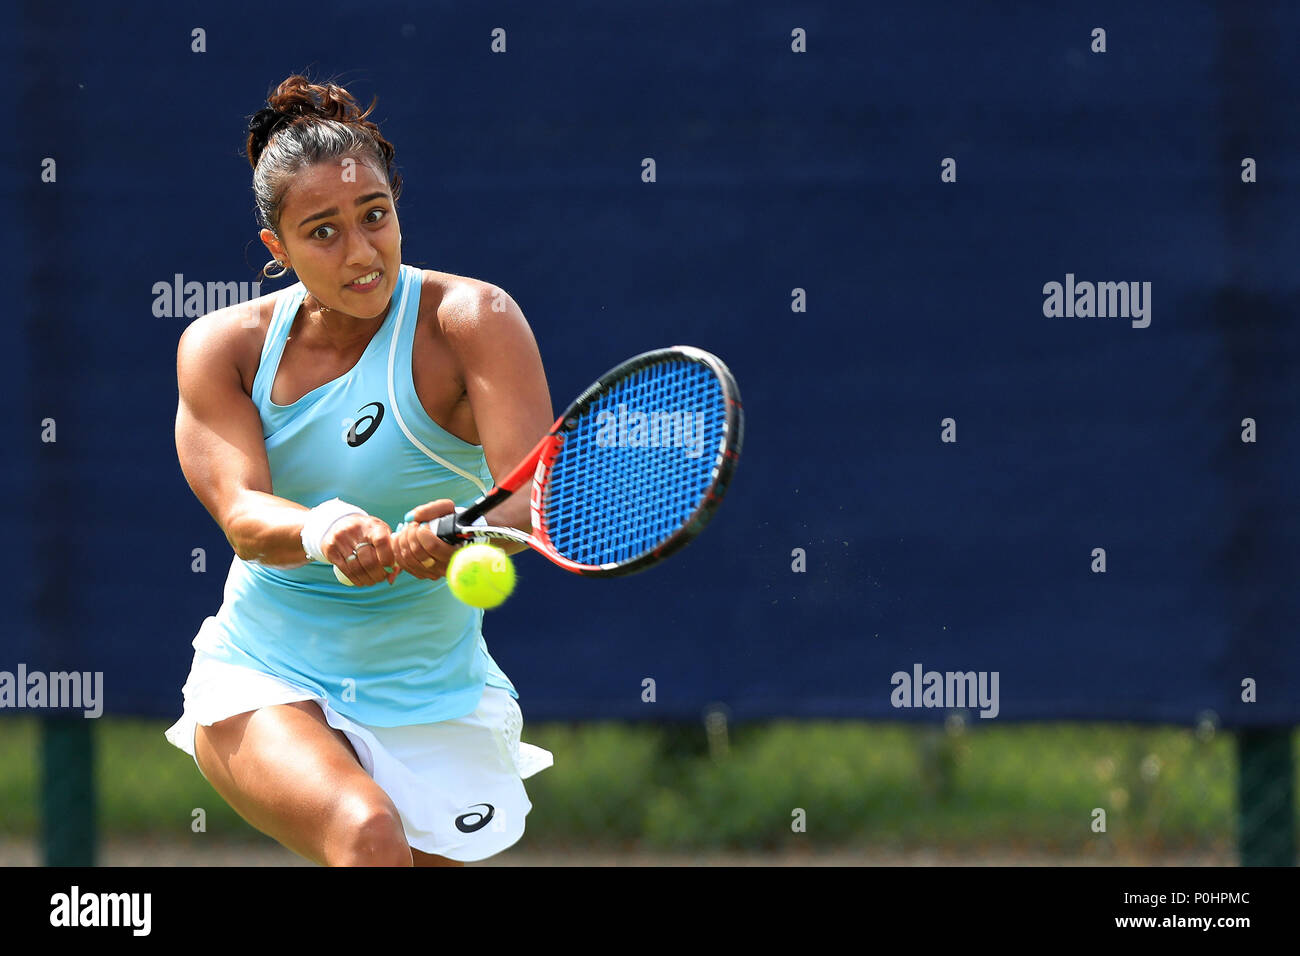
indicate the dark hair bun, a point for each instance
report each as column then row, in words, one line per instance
column 297, row 97
column 260, row 127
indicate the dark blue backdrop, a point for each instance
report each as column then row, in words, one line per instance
column 776, row 170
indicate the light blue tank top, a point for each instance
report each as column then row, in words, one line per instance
column 385, row 655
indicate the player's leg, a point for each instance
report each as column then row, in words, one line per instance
column 298, row 780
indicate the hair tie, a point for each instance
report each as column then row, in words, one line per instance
column 265, row 122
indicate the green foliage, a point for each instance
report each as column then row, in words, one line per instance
column 600, row 792
column 884, row 786
column 146, row 785
column 19, row 776
column 905, row 787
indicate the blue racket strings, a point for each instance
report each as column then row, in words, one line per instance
column 637, row 465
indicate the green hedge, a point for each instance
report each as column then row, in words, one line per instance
column 894, row 786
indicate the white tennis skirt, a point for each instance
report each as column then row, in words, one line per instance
column 457, row 784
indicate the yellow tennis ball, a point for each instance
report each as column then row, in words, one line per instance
column 481, row 575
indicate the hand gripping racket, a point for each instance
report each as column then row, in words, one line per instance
column 631, row 472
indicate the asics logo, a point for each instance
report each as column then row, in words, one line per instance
column 480, row 820
column 365, row 426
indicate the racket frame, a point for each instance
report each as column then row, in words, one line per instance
column 455, row 528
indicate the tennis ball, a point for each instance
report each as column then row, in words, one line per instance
column 481, row 575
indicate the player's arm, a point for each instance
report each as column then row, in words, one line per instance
column 505, row 384
column 223, row 455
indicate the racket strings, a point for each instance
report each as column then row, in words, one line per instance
column 638, row 464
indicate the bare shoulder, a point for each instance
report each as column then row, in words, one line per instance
column 458, row 304
column 229, row 336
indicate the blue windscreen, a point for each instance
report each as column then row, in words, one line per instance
column 937, row 460
column 637, row 464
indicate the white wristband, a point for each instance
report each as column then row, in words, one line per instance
column 319, row 521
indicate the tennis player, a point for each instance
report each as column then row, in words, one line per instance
column 363, row 725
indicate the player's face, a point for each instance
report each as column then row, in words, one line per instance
column 339, row 232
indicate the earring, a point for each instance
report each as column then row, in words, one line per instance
column 283, row 269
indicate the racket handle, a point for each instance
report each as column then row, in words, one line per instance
column 446, row 529
column 452, row 529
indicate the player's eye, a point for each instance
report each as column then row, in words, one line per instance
column 372, row 218
column 317, row 232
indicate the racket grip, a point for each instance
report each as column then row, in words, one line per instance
column 446, row 529
column 450, row 529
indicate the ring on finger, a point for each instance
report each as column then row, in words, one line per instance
column 362, row 545
column 429, row 562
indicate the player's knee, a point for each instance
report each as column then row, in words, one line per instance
column 369, row 834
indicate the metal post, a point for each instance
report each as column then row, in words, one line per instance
column 1266, row 796
column 67, row 791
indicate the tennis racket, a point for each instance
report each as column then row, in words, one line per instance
column 630, row 473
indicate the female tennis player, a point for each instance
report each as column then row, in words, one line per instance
column 363, row 725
